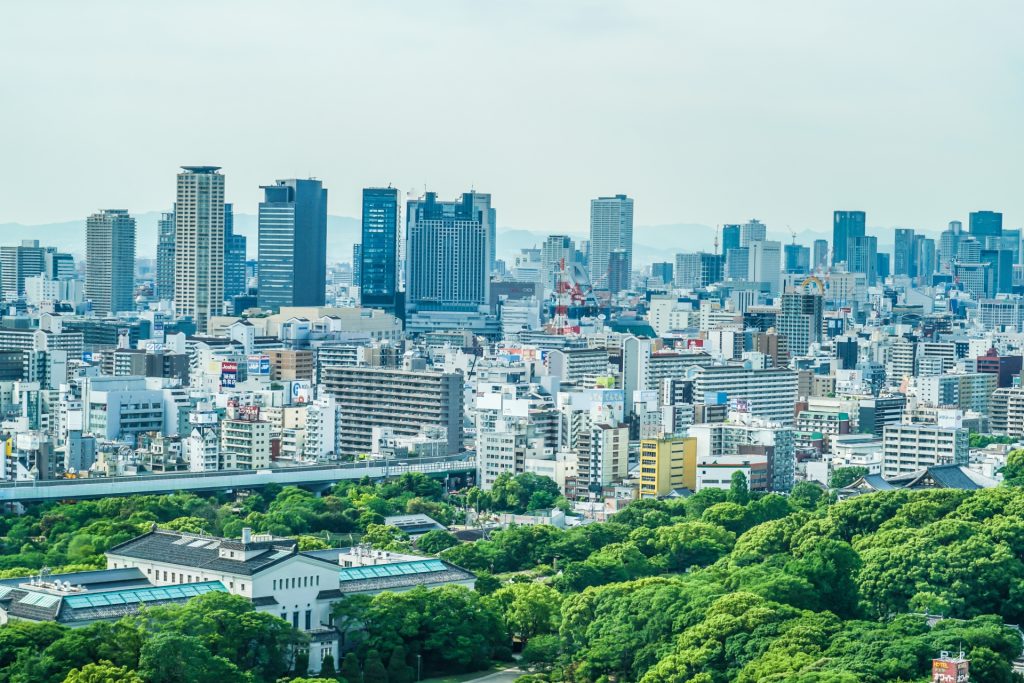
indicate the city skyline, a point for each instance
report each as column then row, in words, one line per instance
column 709, row 150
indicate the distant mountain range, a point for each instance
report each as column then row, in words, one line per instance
column 651, row 242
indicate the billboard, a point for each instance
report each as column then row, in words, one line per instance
column 302, row 392
column 258, row 364
column 228, row 373
column 949, row 671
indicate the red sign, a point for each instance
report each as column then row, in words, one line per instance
column 949, row 671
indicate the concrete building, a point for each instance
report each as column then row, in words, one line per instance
column 292, row 244
column 404, row 400
column 199, row 244
column 667, row 465
column 110, row 261
column 770, row 394
column 910, row 447
column 611, row 228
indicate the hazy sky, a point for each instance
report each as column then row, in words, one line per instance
column 709, row 112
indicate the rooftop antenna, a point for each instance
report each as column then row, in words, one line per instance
column 792, row 232
column 717, row 228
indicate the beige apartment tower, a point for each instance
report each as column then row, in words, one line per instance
column 199, row 244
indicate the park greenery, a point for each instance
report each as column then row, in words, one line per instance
column 717, row 587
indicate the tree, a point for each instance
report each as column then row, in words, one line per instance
column 399, row 670
column 350, row 670
column 528, row 609
column 103, row 672
column 739, row 491
column 844, row 476
column 805, row 495
column 327, row 665
column 176, row 658
column 435, row 541
column 382, row 536
column 373, row 668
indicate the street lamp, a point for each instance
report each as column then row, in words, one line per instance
column 419, row 667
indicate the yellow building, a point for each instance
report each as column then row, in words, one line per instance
column 667, row 464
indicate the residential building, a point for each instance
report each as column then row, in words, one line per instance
column 199, row 244
column 110, row 261
column 611, row 228
column 667, row 465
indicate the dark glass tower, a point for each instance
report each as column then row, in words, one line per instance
column 293, row 244
column 234, row 256
column 846, row 225
column 986, row 224
column 379, row 258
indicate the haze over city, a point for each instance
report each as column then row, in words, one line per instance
column 706, row 113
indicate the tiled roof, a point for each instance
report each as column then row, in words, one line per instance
column 203, row 552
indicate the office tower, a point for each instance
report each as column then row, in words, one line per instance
column 903, row 253
column 752, row 231
column 234, row 256
column 985, row 224
column 165, row 257
column 58, row 265
column 882, row 268
column 862, row 257
column 1010, row 241
column 403, row 401
column 357, row 264
column 662, row 271
column 820, row 257
column 110, row 261
column 948, row 243
column 611, row 227
column 737, row 263
column 1000, row 271
column 292, row 244
column 199, row 244
column 765, row 264
column 800, row 321
column 380, row 251
column 698, row 270
column 18, row 263
column 730, row 237
column 797, row 258
column 618, row 271
column 557, row 250
column 447, row 257
column 924, row 257
column 845, row 225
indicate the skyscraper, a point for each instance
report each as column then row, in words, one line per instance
column 110, row 261
column 234, row 256
column 765, row 264
column 292, row 244
column 730, row 238
column 17, row 263
column 924, row 257
column 611, row 227
column 618, row 271
column 800, row 321
column 862, row 257
column 357, row 264
column 904, row 251
column 819, row 261
column 556, row 250
column 845, row 225
column 949, row 242
column 752, row 231
column 448, row 253
column 199, row 244
column 797, row 258
column 380, row 262
column 985, row 224
column 165, row 257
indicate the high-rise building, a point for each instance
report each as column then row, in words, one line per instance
column 882, row 268
column 752, row 231
column 556, row 251
column 618, row 271
column 765, row 264
column 292, row 244
column 17, row 263
column 800, row 321
column 199, row 244
column 797, row 258
column 611, row 227
column 380, row 253
column 924, row 258
column 845, row 225
column 165, row 257
column 357, row 263
column 737, row 263
column 110, row 261
column 234, row 256
column 861, row 257
column 985, row 224
column 730, row 237
column 698, row 270
column 819, row 260
column 903, row 253
column 949, row 242
column 447, row 258
column 662, row 271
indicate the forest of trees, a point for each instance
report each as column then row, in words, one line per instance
column 719, row 587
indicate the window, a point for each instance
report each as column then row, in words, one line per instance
column 309, row 619
column 295, row 619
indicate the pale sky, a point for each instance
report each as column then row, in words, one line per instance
column 706, row 112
